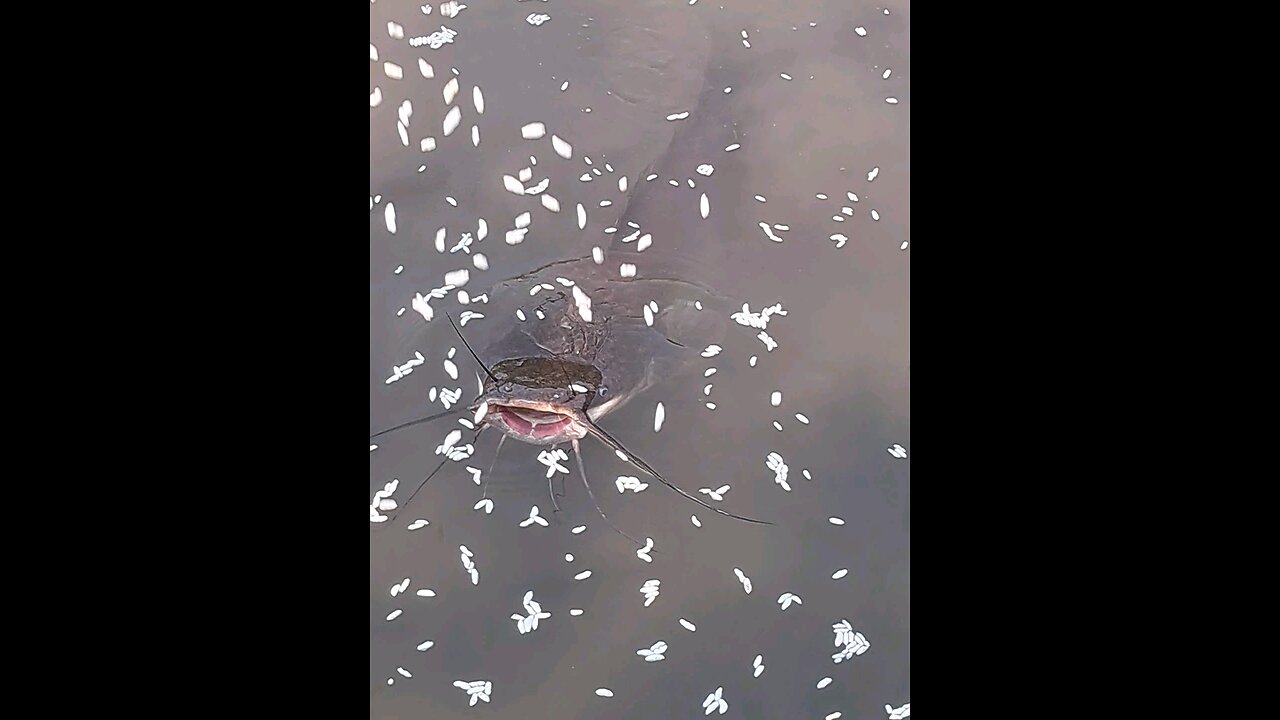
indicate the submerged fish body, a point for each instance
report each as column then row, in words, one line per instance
column 564, row 365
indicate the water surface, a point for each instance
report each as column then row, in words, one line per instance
column 841, row 359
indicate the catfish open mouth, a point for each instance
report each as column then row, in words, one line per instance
column 539, row 423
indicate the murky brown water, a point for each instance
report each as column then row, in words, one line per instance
column 842, row 359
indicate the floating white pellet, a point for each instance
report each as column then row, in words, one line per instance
column 596, row 253
column 564, row 86
column 551, row 203
column 375, row 97
column 390, row 213
column 694, row 518
column 450, row 91
column 659, row 413
column 775, row 399
column 891, row 100
column 426, row 646
column 839, row 574
column 824, row 682
column 627, row 270
column 862, row 32
column 704, row 206
column 451, row 121
column 833, row 716
column 688, row 625
column 562, row 148
column 678, row 116
column 875, row 170
column 477, row 99
column 394, row 614
column 425, row 68
column 875, row 216
column 512, row 185
column 578, row 529
column 732, row 147
column 575, row 611
column 582, row 575
column 393, row 71
column 533, row 131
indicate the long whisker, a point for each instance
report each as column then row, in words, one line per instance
column 551, row 488
column 552, row 491
column 433, row 474
column 468, row 346
column 429, row 418
column 582, row 471
column 484, row 490
column 609, row 440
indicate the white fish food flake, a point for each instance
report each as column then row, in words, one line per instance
column 650, row 590
column 390, row 213
column 451, row 121
column 562, row 148
column 512, row 185
column 775, row 463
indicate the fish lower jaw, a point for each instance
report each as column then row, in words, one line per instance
column 535, row 428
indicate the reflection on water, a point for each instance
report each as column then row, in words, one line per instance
column 801, row 417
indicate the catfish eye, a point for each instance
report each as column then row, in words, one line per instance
column 603, row 391
column 506, row 387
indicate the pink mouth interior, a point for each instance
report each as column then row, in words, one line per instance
column 532, row 423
